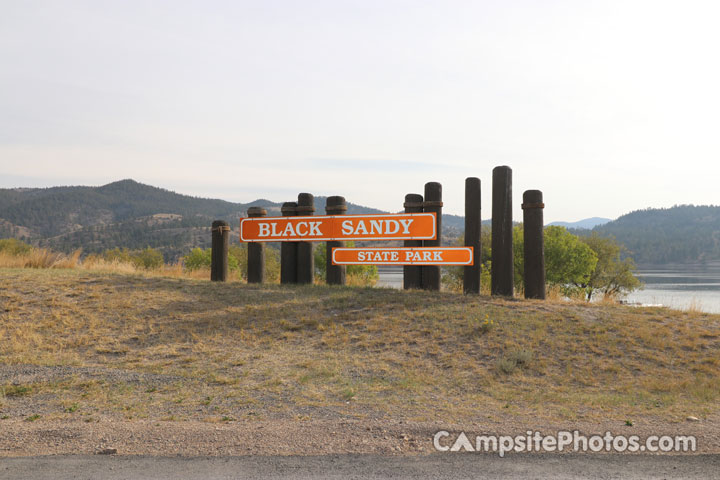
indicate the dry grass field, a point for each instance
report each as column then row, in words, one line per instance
column 81, row 344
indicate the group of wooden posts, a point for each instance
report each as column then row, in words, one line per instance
column 297, row 261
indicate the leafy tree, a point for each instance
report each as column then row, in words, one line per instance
column 588, row 264
column 367, row 274
column 613, row 274
column 568, row 261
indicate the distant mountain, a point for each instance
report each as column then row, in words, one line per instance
column 588, row 223
column 130, row 214
column 681, row 234
column 123, row 214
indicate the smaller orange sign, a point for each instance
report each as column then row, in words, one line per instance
column 403, row 256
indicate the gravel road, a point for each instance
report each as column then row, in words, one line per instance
column 456, row 466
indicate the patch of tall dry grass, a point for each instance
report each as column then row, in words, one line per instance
column 695, row 306
column 40, row 258
column 44, row 258
column 100, row 264
column 175, row 270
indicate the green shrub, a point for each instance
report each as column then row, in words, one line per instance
column 121, row 255
column 15, row 247
column 149, row 259
column 517, row 358
column 197, row 259
column 202, row 258
column 506, row 365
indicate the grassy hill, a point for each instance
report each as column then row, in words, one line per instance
column 128, row 346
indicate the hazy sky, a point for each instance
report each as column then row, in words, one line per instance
column 606, row 106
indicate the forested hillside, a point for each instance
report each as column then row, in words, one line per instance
column 681, row 234
column 124, row 214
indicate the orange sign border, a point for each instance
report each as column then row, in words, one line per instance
column 343, row 217
column 419, row 249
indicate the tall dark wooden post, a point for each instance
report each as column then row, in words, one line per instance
column 412, row 274
column 305, row 260
column 335, row 274
column 473, row 225
column 288, row 250
column 534, row 252
column 256, row 252
column 502, row 279
column 219, row 252
column 433, row 203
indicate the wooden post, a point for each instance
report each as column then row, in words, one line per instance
column 288, row 250
column 534, row 251
column 433, row 203
column 412, row 274
column 256, row 252
column 335, row 274
column 305, row 260
column 473, row 225
column 503, row 273
column 219, row 252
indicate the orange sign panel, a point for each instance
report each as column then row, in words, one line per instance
column 402, row 226
column 403, row 256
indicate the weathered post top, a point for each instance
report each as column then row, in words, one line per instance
column 305, row 204
column 532, row 199
column 288, row 209
column 256, row 212
column 220, row 225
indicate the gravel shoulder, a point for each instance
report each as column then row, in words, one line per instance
column 295, row 437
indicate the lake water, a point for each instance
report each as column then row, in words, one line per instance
column 390, row 276
column 680, row 286
column 676, row 286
